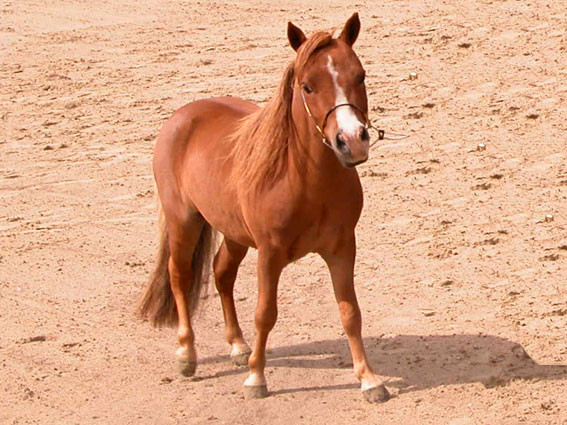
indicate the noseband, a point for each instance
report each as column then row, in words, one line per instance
column 368, row 125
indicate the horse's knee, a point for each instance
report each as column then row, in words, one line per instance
column 225, row 266
column 351, row 318
column 224, row 277
column 266, row 317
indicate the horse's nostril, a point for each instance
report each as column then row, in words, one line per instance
column 341, row 143
column 364, row 134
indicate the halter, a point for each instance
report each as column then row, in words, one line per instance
column 368, row 125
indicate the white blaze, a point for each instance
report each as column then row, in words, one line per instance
column 346, row 119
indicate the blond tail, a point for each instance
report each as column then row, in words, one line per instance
column 158, row 304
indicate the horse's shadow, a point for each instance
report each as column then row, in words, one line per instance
column 413, row 363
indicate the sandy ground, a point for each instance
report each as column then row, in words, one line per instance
column 460, row 277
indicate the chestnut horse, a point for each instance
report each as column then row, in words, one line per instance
column 280, row 179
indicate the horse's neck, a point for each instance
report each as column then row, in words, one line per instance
column 312, row 164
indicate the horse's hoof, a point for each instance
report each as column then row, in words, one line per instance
column 186, row 368
column 240, row 359
column 377, row 394
column 254, row 392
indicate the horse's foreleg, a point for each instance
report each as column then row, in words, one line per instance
column 269, row 270
column 227, row 260
column 341, row 266
column 182, row 242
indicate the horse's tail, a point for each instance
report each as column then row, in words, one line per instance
column 158, row 304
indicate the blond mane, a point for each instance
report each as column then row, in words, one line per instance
column 260, row 142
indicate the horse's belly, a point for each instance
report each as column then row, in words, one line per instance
column 227, row 220
column 208, row 166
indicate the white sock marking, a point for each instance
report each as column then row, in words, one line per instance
column 239, row 349
column 255, row 380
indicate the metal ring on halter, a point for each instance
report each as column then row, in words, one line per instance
column 325, row 140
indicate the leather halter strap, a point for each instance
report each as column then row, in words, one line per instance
column 324, row 139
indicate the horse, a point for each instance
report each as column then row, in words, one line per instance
column 281, row 179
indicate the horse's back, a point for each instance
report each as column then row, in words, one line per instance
column 226, row 104
column 206, row 121
column 220, row 113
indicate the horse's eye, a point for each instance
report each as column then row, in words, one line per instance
column 307, row 88
column 361, row 78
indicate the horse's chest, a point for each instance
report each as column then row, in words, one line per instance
column 314, row 229
column 299, row 222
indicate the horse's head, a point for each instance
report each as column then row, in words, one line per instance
column 330, row 80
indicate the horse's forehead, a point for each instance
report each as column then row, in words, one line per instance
column 340, row 54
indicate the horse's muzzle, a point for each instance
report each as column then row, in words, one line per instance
column 354, row 164
column 352, row 149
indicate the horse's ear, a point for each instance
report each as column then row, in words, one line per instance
column 349, row 34
column 295, row 36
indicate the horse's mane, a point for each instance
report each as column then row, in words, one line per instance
column 261, row 140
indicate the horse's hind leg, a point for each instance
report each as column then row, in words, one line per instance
column 226, row 262
column 183, row 238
